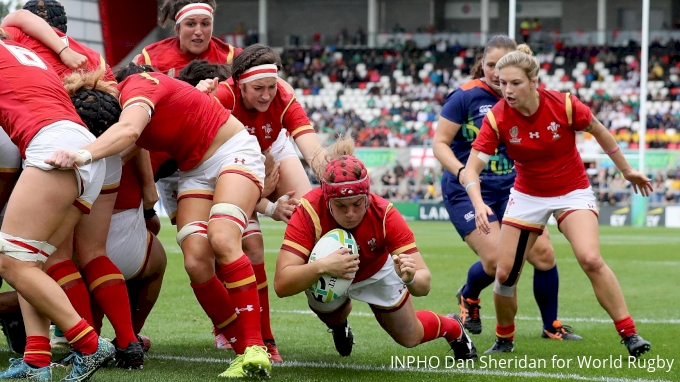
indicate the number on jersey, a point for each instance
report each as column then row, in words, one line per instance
column 25, row 56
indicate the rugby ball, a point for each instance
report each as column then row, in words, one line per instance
column 328, row 288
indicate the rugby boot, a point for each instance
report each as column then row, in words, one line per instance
column 501, row 345
column 636, row 345
column 131, row 358
column 463, row 348
column 273, row 351
column 235, row 369
column 84, row 366
column 18, row 369
column 343, row 339
column 256, row 361
column 560, row 332
column 469, row 313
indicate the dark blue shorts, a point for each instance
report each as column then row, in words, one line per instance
column 462, row 213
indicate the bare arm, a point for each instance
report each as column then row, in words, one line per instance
column 293, row 275
column 311, row 150
column 443, row 136
column 116, row 139
column 608, row 143
column 40, row 30
column 411, row 267
column 640, row 182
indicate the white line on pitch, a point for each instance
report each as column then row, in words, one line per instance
column 328, row 365
column 521, row 318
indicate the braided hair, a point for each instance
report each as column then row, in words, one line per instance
column 198, row 70
column 170, row 8
column 51, row 11
column 132, row 68
column 95, row 101
column 256, row 54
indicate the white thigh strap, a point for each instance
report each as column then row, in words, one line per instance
column 230, row 212
column 253, row 228
column 24, row 249
column 199, row 228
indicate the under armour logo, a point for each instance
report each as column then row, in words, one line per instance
column 534, row 135
column 236, row 160
column 248, row 308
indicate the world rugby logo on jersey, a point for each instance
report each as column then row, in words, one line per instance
column 514, row 132
column 553, row 127
column 267, row 131
column 484, row 109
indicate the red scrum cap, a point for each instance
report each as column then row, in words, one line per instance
column 345, row 177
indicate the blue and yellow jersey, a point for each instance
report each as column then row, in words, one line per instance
column 467, row 107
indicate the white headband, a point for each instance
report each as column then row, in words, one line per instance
column 193, row 9
column 258, row 72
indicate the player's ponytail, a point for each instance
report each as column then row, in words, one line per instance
column 522, row 58
column 95, row 101
column 343, row 146
column 198, row 70
column 132, row 68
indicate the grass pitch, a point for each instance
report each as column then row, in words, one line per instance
column 645, row 261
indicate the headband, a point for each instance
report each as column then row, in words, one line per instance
column 193, row 9
column 257, row 72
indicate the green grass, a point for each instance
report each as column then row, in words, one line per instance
column 645, row 261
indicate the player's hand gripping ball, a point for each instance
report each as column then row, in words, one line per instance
column 329, row 288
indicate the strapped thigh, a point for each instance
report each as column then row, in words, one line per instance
column 253, row 228
column 507, row 288
column 199, row 228
column 25, row 249
column 230, row 212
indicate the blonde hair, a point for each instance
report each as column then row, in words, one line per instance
column 77, row 81
column 522, row 58
column 343, row 146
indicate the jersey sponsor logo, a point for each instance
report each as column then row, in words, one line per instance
column 534, row 135
column 267, row 131
column 237, row 160
column 469, row 216
column 514, row 132
column 484, row 109
column 251, row 130
column 171, row 72
column 553, row 127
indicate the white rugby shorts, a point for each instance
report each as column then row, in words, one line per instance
column 239, row 155
column 128, row 242
column 384, row 290
column 67, row 135
column 532, row 212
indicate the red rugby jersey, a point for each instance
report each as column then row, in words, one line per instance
column 382, row 232
column 95, row 60
column 543, row 145
column 284, row 112
column 167, row 58
column 31, row 95
column 130, row 190
column 184, row 122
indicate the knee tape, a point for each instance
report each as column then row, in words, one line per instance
column 25, row 249
column 504, row 290
column 230, row 212
column 199, row 228
column 253, row 228
column 507, row 288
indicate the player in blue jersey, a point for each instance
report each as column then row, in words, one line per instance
column 458, row 126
